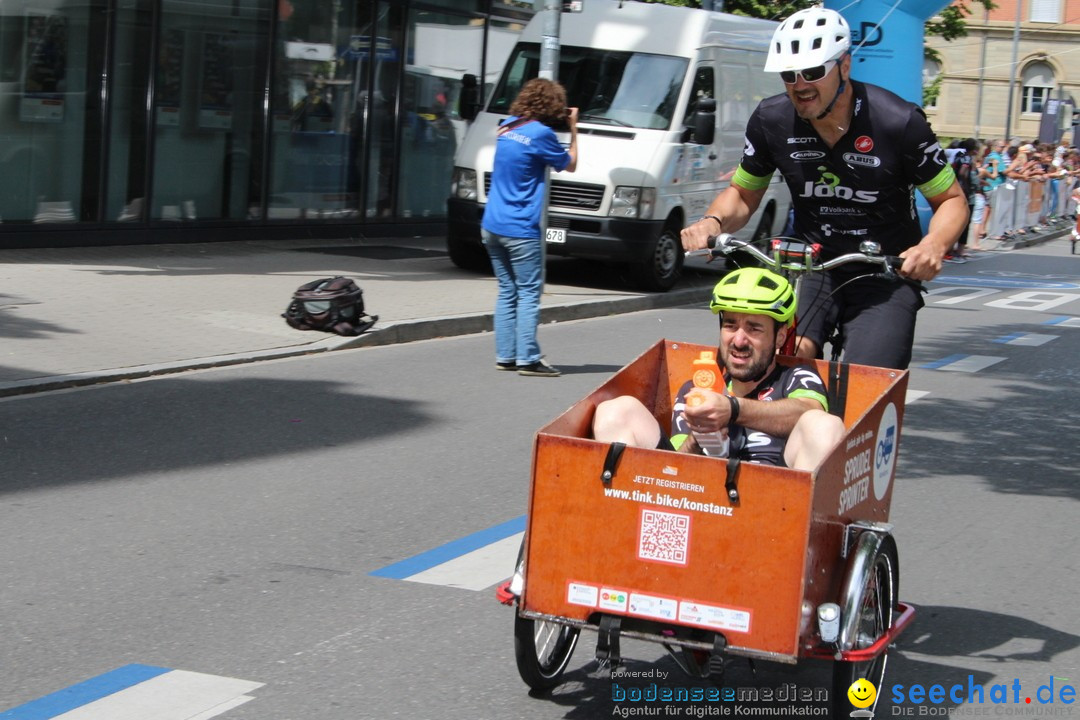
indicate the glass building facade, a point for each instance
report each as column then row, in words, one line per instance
column 131, row 121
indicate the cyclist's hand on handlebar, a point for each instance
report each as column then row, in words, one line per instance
column 921, row 262
column 697, row 235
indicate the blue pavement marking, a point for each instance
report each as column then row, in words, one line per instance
column 1064, row 321
column 88, row 691
column 1028, row 339
column 942, row 362
column 1006, row 283
column 963, row 363
column 451, row 550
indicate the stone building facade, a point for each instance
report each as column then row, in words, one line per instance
column 1039, row 56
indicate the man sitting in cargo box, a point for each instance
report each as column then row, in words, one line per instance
column 771, row 414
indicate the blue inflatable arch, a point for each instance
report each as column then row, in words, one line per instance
column 887, row 50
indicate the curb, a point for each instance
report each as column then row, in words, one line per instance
column 396, row 333
column 1014, row 244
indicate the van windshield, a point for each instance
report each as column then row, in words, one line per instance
column 625, row 89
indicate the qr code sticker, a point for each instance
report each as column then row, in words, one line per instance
column 664, row 537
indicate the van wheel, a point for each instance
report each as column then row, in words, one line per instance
column 468, row 254
column 662, row 269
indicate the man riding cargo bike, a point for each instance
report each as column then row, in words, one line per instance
column 852, row 154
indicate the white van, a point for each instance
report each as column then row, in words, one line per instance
column 664, row 94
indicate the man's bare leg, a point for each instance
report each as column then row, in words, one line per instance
column 624, row 419
column 814, row 435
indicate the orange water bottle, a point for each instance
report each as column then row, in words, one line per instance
column 713, row 444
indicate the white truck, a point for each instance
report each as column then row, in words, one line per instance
column 664, row 94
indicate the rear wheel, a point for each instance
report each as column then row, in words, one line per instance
column 661, row 270
column 876, row 611
column 542, row 650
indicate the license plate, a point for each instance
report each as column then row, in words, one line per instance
column 555, row 235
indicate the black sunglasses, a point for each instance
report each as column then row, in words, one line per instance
column 810, row 75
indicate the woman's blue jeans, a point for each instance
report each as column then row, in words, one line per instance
column 518, row 268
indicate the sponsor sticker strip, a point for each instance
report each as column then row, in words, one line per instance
column 625, row 601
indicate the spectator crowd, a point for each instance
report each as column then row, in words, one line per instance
column 1016, row 189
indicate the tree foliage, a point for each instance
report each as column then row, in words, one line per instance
column 932, row 91
column 948, row 24
column 765, row 10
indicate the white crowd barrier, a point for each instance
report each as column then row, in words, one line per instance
column 1010, row 210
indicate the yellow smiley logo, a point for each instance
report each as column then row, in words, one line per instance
column 862, row 693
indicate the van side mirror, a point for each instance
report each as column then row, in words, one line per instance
column 705, row 121
column 469, row 99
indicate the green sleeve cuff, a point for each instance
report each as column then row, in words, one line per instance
column 750, row 182
column 941, row 182
column 812, row 395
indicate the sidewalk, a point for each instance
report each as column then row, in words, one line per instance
column 78, row 316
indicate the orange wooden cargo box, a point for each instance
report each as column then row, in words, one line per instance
column 661, row 542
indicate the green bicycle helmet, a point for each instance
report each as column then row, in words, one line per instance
column 755, row 291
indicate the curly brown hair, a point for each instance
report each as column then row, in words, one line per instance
column 541, row 99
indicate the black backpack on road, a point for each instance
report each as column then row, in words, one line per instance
column 331, row 305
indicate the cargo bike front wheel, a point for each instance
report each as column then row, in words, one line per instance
column 542, row 650
column 872, row 611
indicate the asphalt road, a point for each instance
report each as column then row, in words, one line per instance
column 227, row 522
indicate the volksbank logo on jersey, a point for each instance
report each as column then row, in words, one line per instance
column 828, row 185
column 866, row 160
column 807, row 155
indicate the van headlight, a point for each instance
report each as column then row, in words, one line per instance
column 633, row 202
column 463, row 184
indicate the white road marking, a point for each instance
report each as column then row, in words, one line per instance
column 476, row 570
column 176, row 695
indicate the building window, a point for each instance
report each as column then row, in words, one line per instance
column 1046, row 11
column 931, row 82
column 207, row 119
column 334, row 111
column 46, row 116
column 1038, row 82
column 443, row 48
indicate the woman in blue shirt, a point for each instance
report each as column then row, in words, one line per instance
column 525, row 147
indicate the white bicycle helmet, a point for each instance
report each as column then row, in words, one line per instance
column 808, row 38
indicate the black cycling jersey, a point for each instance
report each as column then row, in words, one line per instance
column 860, row 189
column 752, row 445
